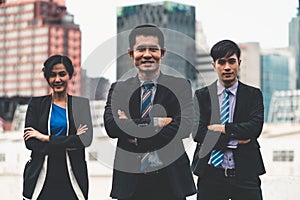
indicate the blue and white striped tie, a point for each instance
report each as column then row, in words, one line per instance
column 217, row 155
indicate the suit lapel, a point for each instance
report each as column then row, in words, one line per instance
column 240, row 97
column 134, row 97
column 162, row 84
column 215, row 112
column 211, row 137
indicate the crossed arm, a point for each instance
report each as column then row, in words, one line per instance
column 36, row 138
column 161, row 122
column 221, row 128
column 30, row 132
column 157, row 131
column 246, row 128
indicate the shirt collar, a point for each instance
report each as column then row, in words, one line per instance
column 154, row 80
column 232, row 89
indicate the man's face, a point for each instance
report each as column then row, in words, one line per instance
column 147, row 54
column 227, row 69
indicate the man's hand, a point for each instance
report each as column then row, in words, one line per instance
column 244, row 141
column 163, row 121
column 133, row 141
column 122, row 114
column 217, row 128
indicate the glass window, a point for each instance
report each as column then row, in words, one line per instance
column 283, row 156
column 29, row 7
column 93, row 156
column 2, row 157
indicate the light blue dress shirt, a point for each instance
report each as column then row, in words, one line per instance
column 228, row 159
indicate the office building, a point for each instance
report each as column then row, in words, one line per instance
column 294, row 42
column 250, row 69
column 278, row 72
column 205, row 71
column 94, row 88
column 31, row 31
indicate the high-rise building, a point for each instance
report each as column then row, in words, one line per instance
column 294, row 42
column 278, row 72
column 30, row 32
column 178, row 24
column 250, row 70
column 285, row 107
column 94, row 88
column 206, row 73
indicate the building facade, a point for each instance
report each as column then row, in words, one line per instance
column 31, row 31
column 94, row 88
column 276, row 75
column 250, row 70
column 206, row 73
column 294, row 43
column 285, row 107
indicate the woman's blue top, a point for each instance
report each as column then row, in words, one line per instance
column 58, row 121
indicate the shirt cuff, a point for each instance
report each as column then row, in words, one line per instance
column 232, row 144
column 155, row 121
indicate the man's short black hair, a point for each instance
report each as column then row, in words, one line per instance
column 225, row 49
column 146, row 30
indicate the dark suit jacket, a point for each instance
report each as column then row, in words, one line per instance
column 37, row 117
column 173, row 98
column 247, row 124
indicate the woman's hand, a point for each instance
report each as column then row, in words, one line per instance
column 81, row 129
column 32, row 133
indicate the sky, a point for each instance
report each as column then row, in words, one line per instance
column 263, row 21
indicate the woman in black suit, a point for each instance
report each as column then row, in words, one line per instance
column 57, row 129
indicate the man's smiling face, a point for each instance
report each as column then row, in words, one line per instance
column 147, row 54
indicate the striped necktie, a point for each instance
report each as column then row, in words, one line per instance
column 150, row 160
column 145, row 110
column 146, row 100
column 217, row 155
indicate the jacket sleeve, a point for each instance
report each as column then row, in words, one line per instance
column 32, row 120
column 111, row 119
column 248, row 120
column 181, row 105
column 205, row 114
column 81, row 115
column 253, row 114
column 122, row 129
column 178, row 105
column 202, row 116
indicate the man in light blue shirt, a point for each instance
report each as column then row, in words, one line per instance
column 229, row 119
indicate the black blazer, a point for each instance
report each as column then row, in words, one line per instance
column 37, row 117
column 173, row 98
column 247, row 124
